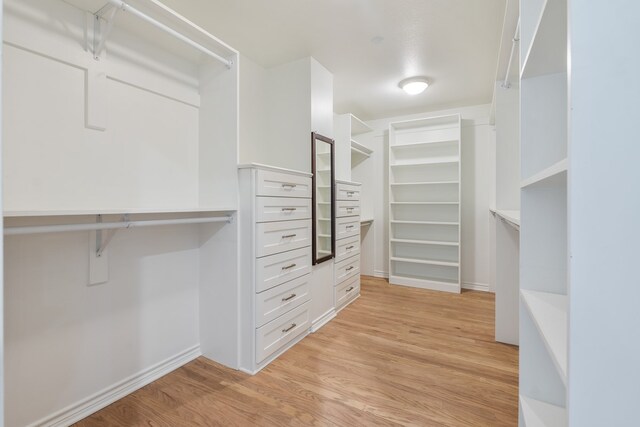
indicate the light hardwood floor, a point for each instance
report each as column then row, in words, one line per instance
column 396, row 356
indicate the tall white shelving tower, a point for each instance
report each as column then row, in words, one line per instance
column 424, row 203
column 543, row 229
column 579, row 335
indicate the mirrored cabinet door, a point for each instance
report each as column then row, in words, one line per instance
column 323, row 198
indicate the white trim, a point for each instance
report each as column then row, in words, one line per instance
column 275, row 355
column 107, row 396
column 476, row 286
column 339, row 181
column 431, row 285
column 274, row 169
column 381, row 274
column 323, row 320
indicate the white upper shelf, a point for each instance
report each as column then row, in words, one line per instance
column 546, row 52
column 510, row 216
column 358, row 148
column 359, row 127
column 119, row 211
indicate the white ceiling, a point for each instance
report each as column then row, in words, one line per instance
column 454, row 43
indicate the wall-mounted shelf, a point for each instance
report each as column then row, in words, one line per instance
column 428, row 162
column 546, row 52
column 119, row 211
column 511, row 216
column 425, row 242
column 398, row 184
column 366, row 222
column 426, row 144
column 359, row 127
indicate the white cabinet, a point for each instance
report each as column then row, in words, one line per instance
column 424, row 203
column 275, row 262
column 347, row 257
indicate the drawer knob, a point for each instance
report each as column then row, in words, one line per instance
column 350, row 209
column 350, row 193
column 289, row 297
column 350, row 247
column 350, row 268
column 350, row 288
column 289, row 185
column 289, row 266
column 287, row 236
column 350, row 226
column 293, row 325
column 288, row 209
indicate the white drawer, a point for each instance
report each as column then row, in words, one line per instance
column 277, row 184
column 348, row 268
column 276, row 237
column 282, row 208
column 347, row 227
column 273, row 270
column 347, row 192
column 347, row 208
column 280, row 332
column 348, row 247
column 277, row 301
column 347, row 291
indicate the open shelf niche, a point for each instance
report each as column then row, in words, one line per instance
column 424, row 203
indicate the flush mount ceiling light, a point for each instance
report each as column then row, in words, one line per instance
column 414, row 85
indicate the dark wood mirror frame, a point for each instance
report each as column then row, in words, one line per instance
column 326, row 230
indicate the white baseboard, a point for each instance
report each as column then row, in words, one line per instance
column 323, row 320
column 381, row 274
column 475, row 286
column 91, row 404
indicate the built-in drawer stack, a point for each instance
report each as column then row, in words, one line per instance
column 347, row 261
column 280, row 207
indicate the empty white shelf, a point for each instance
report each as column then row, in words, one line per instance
column 424, row 222
column 423, row 144
column 118, row 211
column 541, row 414
column 426, row 261
column 512, row 217
column 436, row 161
column 360, row 149
column 549, row 314
column 366, row 221
column 358, row 126
column 425, row 203
column 424, row 183
column 547, row 50
column 425, row 242
column 554, row 170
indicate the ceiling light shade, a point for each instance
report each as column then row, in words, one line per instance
column 414, row 85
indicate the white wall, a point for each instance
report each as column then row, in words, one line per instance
column 1, row 249
column 477, row 171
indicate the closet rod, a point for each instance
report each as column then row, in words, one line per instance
column 11, row 231
column 515, row 40
column 127, row 8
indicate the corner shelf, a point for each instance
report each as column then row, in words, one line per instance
column 549, row 313
column 540, row 414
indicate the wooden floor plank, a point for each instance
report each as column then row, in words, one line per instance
column 396, row 356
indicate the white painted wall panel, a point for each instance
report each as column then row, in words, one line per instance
column 66, row 341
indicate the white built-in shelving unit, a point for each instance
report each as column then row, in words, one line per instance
column 354, row 163
column 543, row 232
column 424, row 203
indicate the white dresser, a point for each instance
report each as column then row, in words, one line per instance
column 347, row 256
column 275, row 262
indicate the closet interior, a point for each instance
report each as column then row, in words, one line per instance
column 168, row 197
